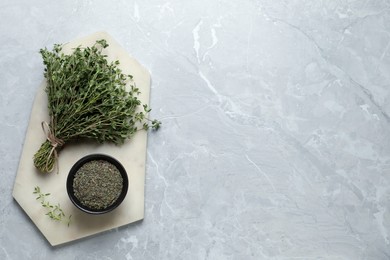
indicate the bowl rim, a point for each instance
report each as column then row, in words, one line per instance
column 95, row 157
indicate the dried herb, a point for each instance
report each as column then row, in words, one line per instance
column 87, row 98
column 55, row 212
column 97, row 184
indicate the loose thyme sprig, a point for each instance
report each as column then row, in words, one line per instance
column 88, row 98
column 55, row 212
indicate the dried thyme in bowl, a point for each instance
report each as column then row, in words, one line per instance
column 87, row 98
column 97, row 184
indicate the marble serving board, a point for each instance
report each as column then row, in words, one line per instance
column 132, row 155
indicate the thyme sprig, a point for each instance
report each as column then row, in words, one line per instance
column 54, row 211
column 87, row 98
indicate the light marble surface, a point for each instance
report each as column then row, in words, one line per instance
column 276, row 126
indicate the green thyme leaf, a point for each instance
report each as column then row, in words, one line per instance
column 55, row 212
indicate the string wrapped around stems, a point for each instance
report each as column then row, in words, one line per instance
column 51, row 155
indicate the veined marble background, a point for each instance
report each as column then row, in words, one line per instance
column 276, row 126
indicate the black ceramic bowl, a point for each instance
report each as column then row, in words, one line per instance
column 76, row 167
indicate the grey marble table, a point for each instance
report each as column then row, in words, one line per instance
column 276, row 126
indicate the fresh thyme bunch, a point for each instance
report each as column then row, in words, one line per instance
column 87, row 98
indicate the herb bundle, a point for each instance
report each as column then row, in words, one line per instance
column 87, row 98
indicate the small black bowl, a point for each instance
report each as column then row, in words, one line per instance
column 76, row 167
